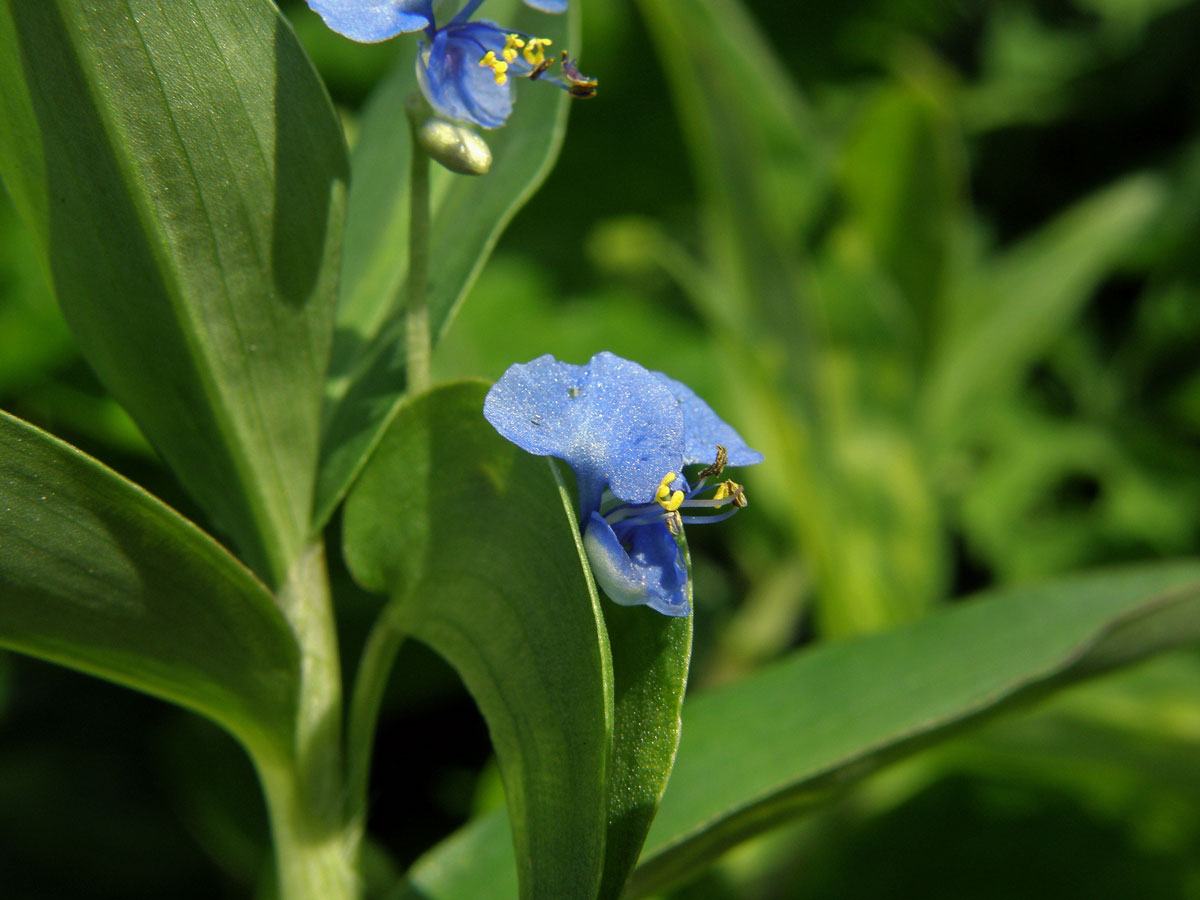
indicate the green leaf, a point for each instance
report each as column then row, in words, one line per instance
column 769, row 747
column 183, row 170
column 468, row 215
column 97, row 575
column 902, row 173
column 765, row 748
column 758, row 157
column 650, row 655
column 474, row 862
column 475, row 543
column 650, row 661
column 34, row 339
column 1015, row 307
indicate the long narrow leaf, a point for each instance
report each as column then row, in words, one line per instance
column 767, row 748
column 183, row 170
column 97, row 575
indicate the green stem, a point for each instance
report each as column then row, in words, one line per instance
column 315, row 845
column 369, row 684
column 417, row 283
column 314, row 860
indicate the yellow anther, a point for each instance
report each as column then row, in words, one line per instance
column 534, row 53
column 664, row 487
column 665, row 497
column 729, row 490
column 498, row 66
column 512, row 44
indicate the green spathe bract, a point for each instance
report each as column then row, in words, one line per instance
column 493, row 577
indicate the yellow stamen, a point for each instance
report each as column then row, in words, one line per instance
column 512, row 44
column 534, row 53
column 498, row 66
column 665, row 497
column 664, row 486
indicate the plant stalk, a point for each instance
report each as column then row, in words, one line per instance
column 316, row 846
column 417, row 336
column 378, row 656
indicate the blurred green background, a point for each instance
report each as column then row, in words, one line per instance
column 940, row 261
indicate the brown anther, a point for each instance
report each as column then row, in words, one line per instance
column 674, row 523
column 579, row 86
column 540, row 69
column 718, row 466
column 737, row 494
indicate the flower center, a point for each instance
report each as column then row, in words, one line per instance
column 533, row 51
column 526, row 57
column 667, row 503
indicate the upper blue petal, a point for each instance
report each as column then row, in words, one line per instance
column 612, row 421
column 369, row 21
column 550, row 6
column 703, row 430
column 650, row 572
column 451, row 78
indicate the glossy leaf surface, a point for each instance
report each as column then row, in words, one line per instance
column 650, row 655
column 182, row 168
column 475, row 541
column 97, row 575
column 762, row 749
column 768, row 747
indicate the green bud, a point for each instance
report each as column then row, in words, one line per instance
column 456, row 147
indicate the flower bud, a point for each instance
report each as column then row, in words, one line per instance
column 456, row 147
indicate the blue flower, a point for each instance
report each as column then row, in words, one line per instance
column 465, row 68
column 369, row 21
column 627, row 433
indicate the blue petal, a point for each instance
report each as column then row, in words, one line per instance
column 550, row 6
column 703, row 430
column 369, row 21
column 612, row 421
column 451, row 78
column 650, row 573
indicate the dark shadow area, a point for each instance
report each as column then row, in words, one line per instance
column 95, row 805
column 1132, row 113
